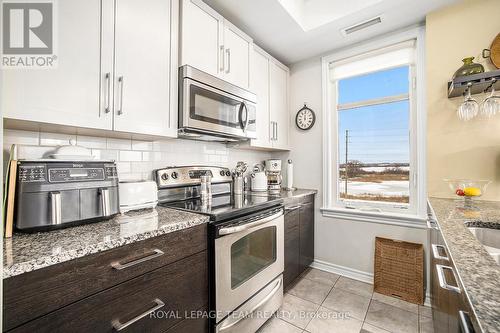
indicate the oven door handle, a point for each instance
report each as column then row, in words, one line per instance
column 240, row 228
column 258, row 305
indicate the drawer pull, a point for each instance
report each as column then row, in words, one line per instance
column 119, row 326
column 442, row 279
column 119, row 266
column 435, row 252
column 256, row 307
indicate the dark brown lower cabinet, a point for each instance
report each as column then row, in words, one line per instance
column 292, row 244
column 299, row 238
column 162, row 299
column 306, row 228
column 451, row 310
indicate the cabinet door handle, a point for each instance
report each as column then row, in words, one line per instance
column 119, row 266
column 276, row 137
column 228, row 54
column 120, row 83
column 465, row 322
column 221, row 58
column 55, row 200
column 118, row 326
column 107, row 93
column 431, row 224
column 435, row 252
column 442, row 278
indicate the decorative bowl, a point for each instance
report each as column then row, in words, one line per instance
column 468, row 188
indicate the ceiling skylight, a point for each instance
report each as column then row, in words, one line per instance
column 311, row 14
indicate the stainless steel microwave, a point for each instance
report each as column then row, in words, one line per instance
column 212, row 109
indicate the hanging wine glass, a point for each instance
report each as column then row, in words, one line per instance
column 469, row 108
column 491, row 105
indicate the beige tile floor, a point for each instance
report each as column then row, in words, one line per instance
column 322, row 302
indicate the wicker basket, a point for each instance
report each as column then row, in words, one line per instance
column 399, row 269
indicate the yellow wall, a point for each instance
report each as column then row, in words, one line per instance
column 457, row 149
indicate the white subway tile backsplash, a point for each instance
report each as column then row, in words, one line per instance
column 141, row 167
column 100, row 154
column 11, row 137
column 91, row 142
column 136, row 159
column 130, row 156
column 123, row 167
column 142, row 145
column 112, row 143
column 151, row 156
column 34, row 152
column 55, row 139
column 131, row 176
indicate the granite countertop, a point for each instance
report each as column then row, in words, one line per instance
column 28, row 252
column 478, row 272
column 300, row 192
column 286, row 194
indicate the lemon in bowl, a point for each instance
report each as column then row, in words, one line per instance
column 472, row 192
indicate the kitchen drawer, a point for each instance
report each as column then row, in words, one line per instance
column 31, row 295
column 181, row 286
column 191, row 325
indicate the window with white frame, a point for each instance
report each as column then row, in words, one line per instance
column 372, row 104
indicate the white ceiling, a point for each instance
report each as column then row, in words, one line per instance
column 294, row 30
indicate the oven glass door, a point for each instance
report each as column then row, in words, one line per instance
column 214, row 110
column 246, row 261
column 251, row 254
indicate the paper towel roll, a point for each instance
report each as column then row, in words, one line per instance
column 289, row 175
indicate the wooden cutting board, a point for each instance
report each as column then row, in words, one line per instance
column 11, row 191
column 495, row 51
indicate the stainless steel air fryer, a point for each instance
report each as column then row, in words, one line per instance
column 52, row 194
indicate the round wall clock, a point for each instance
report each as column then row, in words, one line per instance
column 305, row 118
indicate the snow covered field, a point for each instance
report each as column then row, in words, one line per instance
column 385, row 188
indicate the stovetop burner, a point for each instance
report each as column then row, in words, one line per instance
column 227, row 206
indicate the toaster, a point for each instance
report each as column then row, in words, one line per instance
column 137, row 195
column 53, row 194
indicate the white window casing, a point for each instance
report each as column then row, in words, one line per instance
column 404, row 48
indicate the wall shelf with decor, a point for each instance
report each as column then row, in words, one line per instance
column 478, row 83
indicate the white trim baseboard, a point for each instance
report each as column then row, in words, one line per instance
column 354, row 274
column 343, row 270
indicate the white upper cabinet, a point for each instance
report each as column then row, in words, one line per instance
column 69, row 93
column 201, row 37
column 117, row 70
column 278, row 103
column 237, row 47
column 142, row 67
column 214, row 45
column 269, row 80
column 259, row 84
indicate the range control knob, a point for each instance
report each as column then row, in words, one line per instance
column 228, row 173
column 174, row 175
column 222, row 173
column 164, row 176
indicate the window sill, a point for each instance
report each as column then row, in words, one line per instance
column 401, row 220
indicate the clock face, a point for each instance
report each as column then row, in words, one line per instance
column 305, row 118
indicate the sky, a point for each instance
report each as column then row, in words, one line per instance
column 377, row 133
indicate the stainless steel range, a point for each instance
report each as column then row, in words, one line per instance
column 245, row 245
